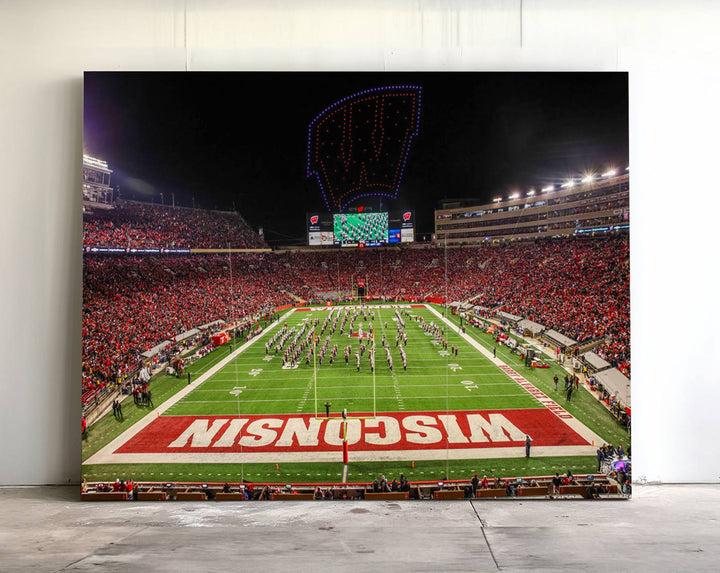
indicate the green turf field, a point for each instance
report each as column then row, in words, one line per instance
column 255, row 383
column 427, row 385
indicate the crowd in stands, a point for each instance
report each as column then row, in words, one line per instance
column 393, row 274
column 131, row 304
column 132, row 224
column 577, row 287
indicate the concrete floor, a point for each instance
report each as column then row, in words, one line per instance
column 663, row 528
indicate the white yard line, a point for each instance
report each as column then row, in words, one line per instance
column 308, row 388
column 395, row 384
column 474, row 396
column 344, row 387
column 385, row 372
column 336, row 456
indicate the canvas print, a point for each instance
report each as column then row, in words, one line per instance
column 331, row 286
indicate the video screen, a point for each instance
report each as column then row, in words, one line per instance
column 368, row 229
column 353, row 229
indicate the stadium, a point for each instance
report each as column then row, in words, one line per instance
column 488, row 358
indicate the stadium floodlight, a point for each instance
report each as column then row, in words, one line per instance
column 531, row 193
column 610, row 173
column 514, row 195
column 627, row 168
column 497, row 199
column 548, row 188
column 568, row 184
column 587, row 178
column 91, row 161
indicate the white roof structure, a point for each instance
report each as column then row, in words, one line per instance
column 559, row 338
column 510, row 317
column 595, row 361
column 533, row 327
column 616, row 383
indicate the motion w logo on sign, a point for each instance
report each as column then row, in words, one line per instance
column 359, row 145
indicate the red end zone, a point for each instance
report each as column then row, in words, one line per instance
column 386, row 432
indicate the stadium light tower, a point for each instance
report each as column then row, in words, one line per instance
column 96, row 186
column 548, row 189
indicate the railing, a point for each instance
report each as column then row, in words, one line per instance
column 586, row 487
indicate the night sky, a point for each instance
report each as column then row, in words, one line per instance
column 240, row 139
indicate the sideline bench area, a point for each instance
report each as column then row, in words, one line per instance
column 151, row 495
column 387, row 495
column 491, row 492
column 597, row 486
column 105, row 496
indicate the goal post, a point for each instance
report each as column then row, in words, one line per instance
column 360, row 287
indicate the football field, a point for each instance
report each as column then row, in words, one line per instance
column 270, row 401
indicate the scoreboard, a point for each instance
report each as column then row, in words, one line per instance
column 354, row 228
column 364, row 229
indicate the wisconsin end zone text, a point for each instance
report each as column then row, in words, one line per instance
column 390, row 432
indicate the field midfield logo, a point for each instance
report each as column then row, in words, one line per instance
column 237, row 390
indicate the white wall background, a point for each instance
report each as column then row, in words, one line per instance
column 670, row 48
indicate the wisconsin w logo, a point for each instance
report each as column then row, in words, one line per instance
column 359, row 145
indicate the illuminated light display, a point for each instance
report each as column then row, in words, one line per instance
column 95, row 162
column 603, row 229
column 358, row 147
column 569, row 184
